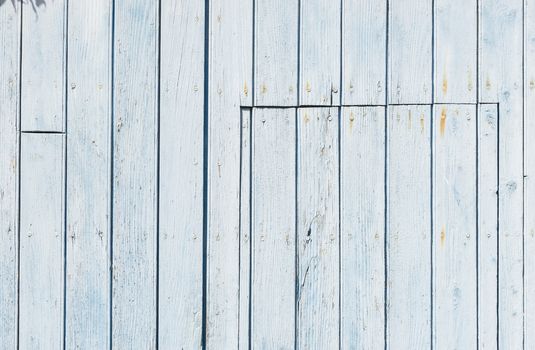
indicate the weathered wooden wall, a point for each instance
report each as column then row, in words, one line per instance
column 267, row 174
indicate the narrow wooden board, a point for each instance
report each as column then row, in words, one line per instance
column 410, row 31
column 318, row 236
column 488, row 226
column 229, row 87
column 409, row 227
column 362, row 256
column 43, row 65
column 276, row 52
column 9, row 170
column 455, row 227
column 89, row 176
column 320, row 49
column 181, row 175
column 455, row 51
column 501, row 79
column 41, row 241
column 364, row 52
column 273, row 229
column 135, row 175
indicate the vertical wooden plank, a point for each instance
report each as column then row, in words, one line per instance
column 362, row 194
column 455, row 232
column 529, row 173
column 134, row 169
column 181, row 175
column 43, row 65
column 245, row 229
column 409, row 227
column 319, row 60
column 88, row 180
column 41, row 241
column 318, row 229
column 364, row 52
column 455, row 51
column 230, row 77
column 488, row 226
column 9, row 170
column 276, row 52
column 501, row 65
column 410, row 51
column 273, row 229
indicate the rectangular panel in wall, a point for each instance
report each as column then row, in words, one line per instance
column 320, row 50
column 364, row 52
column 362, row 255
column 41, row 241
column 229, row 86
column 43, row 65
column 318, row 228
column 89, row 176
column 409, row 227
column 181, row 147
column 9, row 170
column 273, row 229
column 455, row 227
column 488, row 226
column 276, row 52
column 135, row 175
column 410, row 51
column 455, row 51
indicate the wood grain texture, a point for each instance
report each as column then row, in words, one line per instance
column 362, row 191
column 41, row 241
column 409, row 227
column 135, row 175
column 9, row 171
column 455, row 51
column 410, row 51
column 230, row 79
column 180, row 266
column 318, row 236
column 319, row 60
column 43, row 65
column 501, row 79
column 276, row 52
column 455, row 227
column 89, row 175
column 364, row 52
column 245, row 229
column 488, row 226
column 273, row 229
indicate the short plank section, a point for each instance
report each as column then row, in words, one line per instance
column 454, row 231
column 273, row 229
column 135, row 181
column 41, row 241
column 409, row 227
column 181, row 175
column 362, row 253
column 318, row 229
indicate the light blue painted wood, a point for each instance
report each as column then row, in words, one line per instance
column 43, row 65
column 89, row 176
column 9, row 171
column 409, row 227
column 488, row 226
column 41, row 278
column 135, row 150
column 181, row 175
column 362, row 206
column 318, row 236
column 273, row 229
column 319, row 61
column 454, row 227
